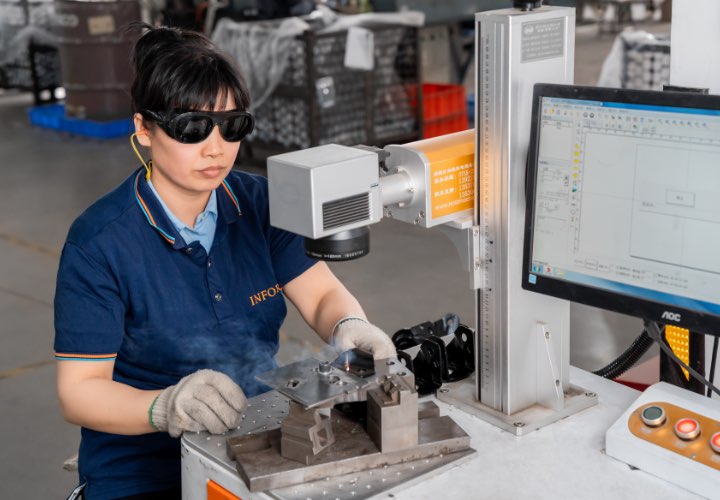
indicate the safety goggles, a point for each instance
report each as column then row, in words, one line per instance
column 192, row 127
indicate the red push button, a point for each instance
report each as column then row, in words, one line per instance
column 715, row 442
column 687, row 428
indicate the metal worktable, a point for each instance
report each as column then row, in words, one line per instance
column 563, row 460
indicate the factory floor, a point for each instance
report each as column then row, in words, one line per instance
column 48, row 178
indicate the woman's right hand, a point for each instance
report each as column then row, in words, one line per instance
column 202, row 401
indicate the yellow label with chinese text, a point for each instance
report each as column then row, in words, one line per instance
column 452, row 185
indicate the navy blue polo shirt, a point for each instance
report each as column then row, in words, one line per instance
column 130, row 289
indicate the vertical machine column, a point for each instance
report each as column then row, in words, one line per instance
column 514, row 50
column 522, row 359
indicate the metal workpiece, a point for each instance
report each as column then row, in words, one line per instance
column 304, row 383
column 324, row 368
column 357, row 362
column 392, row 366
column 305, row 433
column 314, row 383
column 392, row 414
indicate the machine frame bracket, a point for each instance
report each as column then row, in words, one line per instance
column 467, row 240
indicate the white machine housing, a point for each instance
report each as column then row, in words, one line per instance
column 320, row 191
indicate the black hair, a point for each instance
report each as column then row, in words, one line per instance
column 181, row 69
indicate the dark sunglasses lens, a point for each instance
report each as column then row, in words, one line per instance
column 191, row 129
column 235, row 128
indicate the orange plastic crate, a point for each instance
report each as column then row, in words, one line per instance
column 444, row 109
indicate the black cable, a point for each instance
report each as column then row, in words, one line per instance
column 712, row 364
column 628, row 358
column 656, row 334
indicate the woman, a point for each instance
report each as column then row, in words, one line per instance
column 170, row 289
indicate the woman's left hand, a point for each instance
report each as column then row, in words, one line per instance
column 352, row 332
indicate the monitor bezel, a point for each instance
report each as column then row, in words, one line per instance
column 627, row 304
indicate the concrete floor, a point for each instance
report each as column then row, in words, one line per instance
column 48, row 178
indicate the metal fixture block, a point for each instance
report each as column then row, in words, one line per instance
column 393, row 415
column 305, row 433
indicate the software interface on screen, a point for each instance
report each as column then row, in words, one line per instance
column 628, row 200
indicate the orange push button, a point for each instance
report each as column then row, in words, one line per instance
column 715, row 442
column 687, row 429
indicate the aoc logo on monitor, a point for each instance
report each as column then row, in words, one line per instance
column 671, row 316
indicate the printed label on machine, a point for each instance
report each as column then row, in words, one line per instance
column 543, row 40
column 452, row 185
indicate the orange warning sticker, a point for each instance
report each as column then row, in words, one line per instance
column 452, row 185
column 217, row 492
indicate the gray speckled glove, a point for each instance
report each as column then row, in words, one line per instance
column 351, row 332
column 202, row 401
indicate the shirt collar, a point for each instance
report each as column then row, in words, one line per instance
column 211, row 208
column 227, row 206
column 228, row 203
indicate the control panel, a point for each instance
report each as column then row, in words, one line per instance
column 678, row 430
column 673, row 434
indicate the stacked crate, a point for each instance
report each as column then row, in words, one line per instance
column 645, row 62
column 29, row 58
column 320, row 101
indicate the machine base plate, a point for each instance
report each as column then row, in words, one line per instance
column 462, row 395
column 262, row 467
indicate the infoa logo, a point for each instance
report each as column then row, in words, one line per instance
column 671, row 316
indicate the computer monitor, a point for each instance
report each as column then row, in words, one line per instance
column 623, row 202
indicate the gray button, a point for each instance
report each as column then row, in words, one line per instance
column 653, row 416
column 209, row 263
column 188, row 250
column 218, row 297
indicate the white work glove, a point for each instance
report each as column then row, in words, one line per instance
column 351, row 332
column 202, row 401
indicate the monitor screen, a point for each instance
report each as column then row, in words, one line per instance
column 623, row 202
